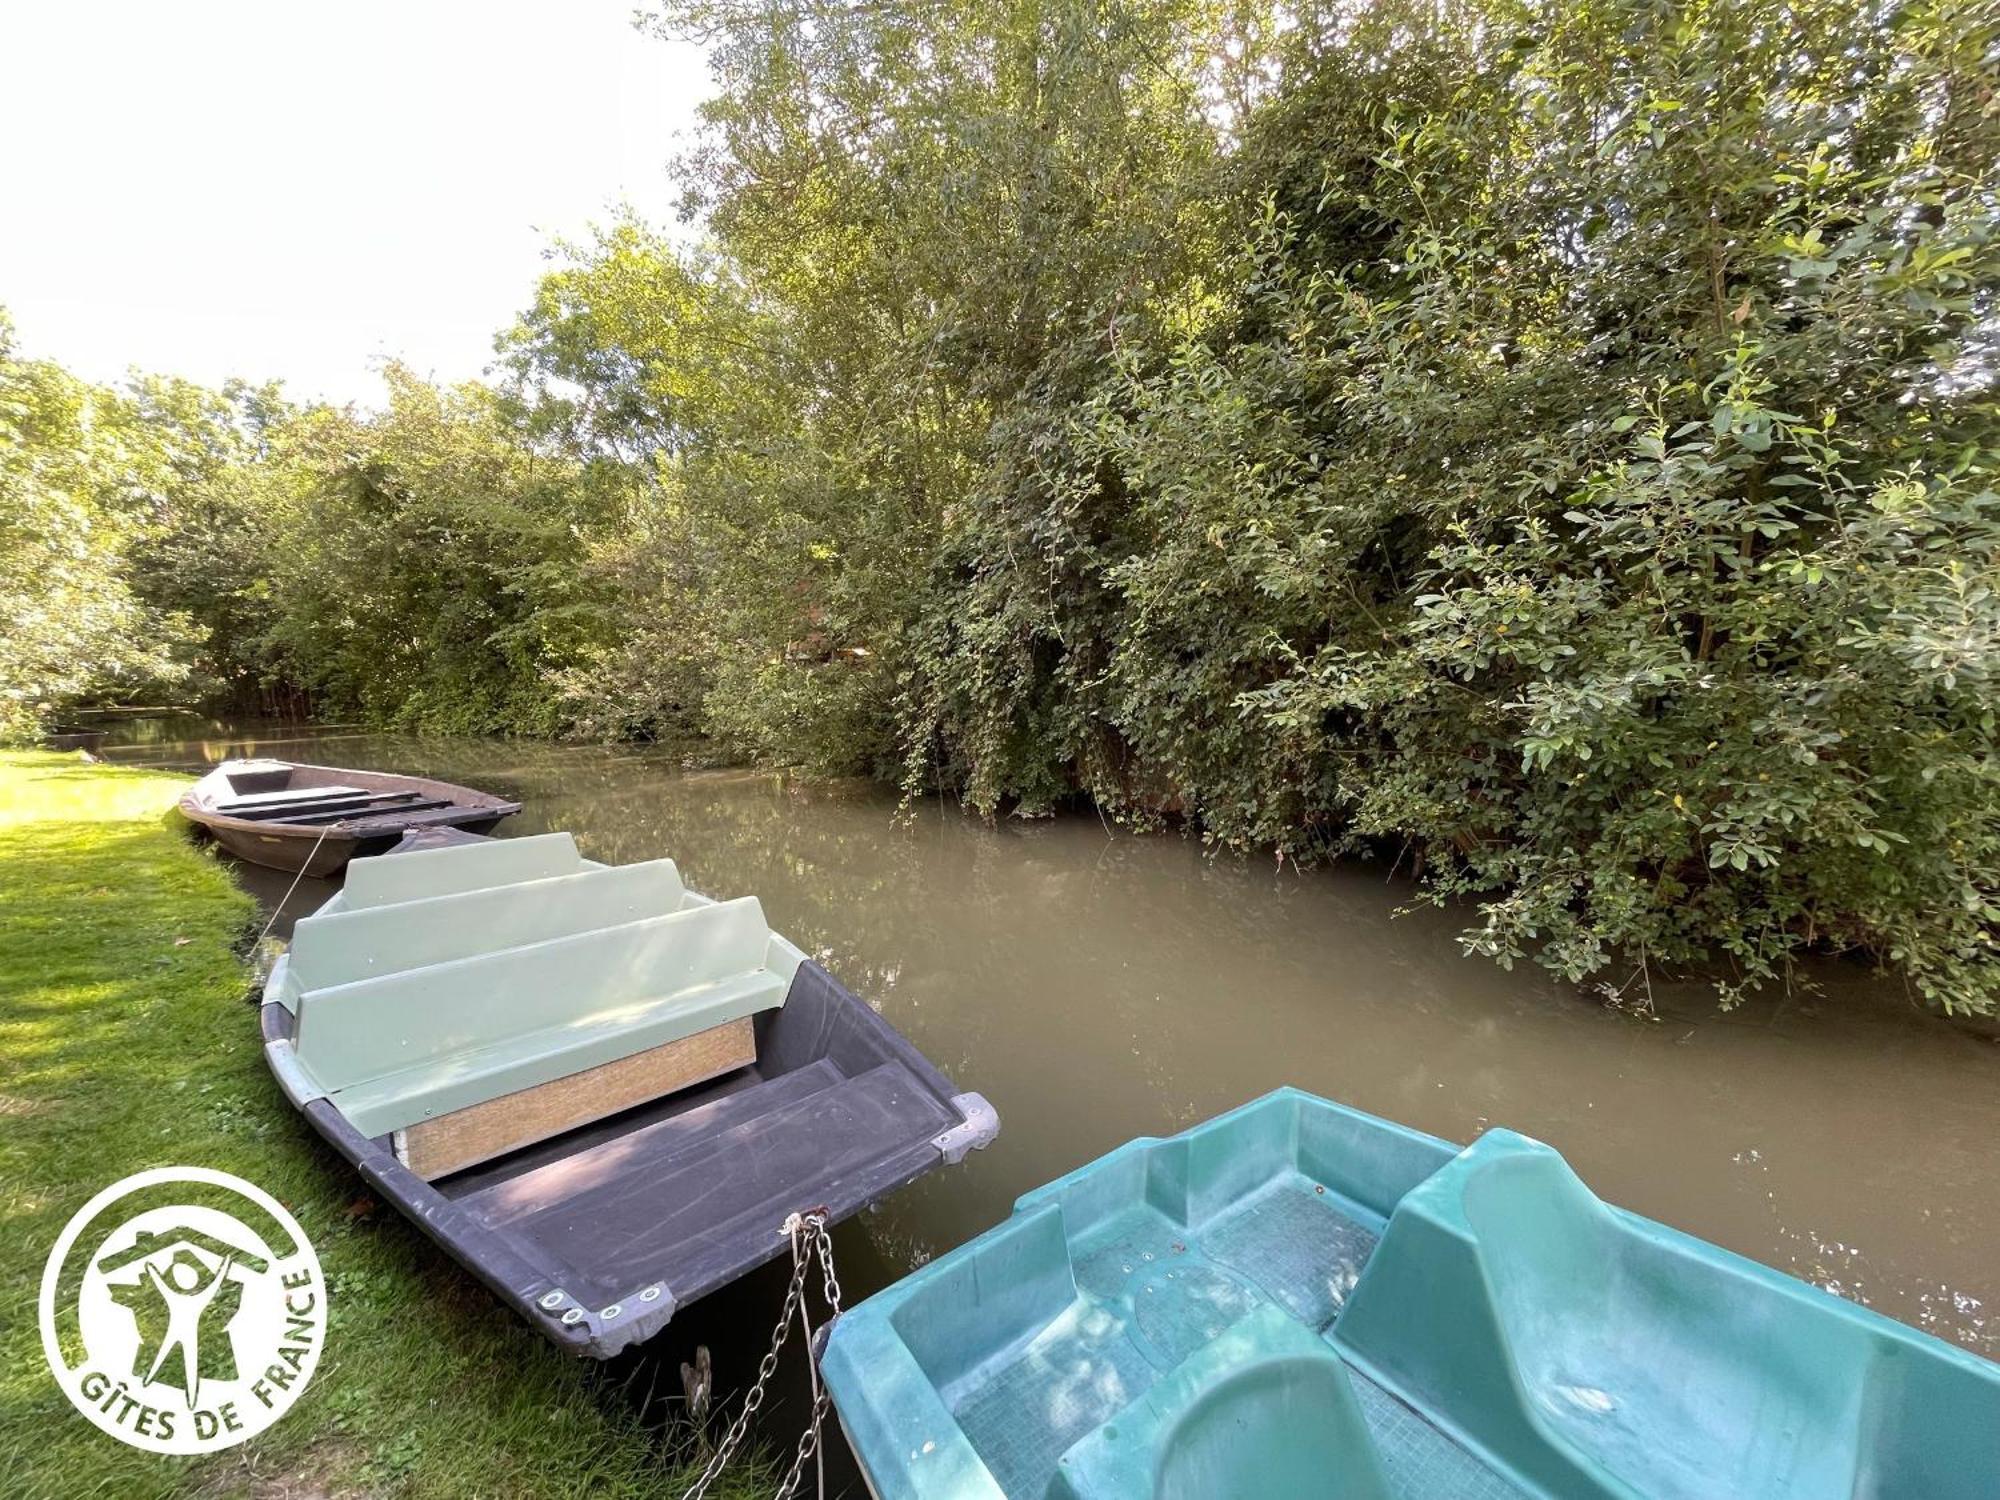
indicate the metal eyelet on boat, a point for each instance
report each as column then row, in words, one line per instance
column 553, row 1300
column 574, row 1315
column 651, row 1294
column 612, row 1311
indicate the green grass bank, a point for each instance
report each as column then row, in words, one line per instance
column 126, row 1042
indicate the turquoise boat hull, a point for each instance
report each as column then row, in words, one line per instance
column 1298, row 1299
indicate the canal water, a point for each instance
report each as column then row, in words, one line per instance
column 1097, row 985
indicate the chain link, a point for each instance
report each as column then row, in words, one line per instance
column 810, row 1241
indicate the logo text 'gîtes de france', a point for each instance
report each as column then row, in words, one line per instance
column 193, row 1326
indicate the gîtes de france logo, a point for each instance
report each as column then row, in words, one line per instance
column 183, row 1310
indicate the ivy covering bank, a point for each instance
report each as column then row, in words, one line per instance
column 1550, row 446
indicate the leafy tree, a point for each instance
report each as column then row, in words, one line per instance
column 424, row 562
column 204, row 552
column 921, row 207
column 1587, row 490
column 1549, row 446
column 73, row 498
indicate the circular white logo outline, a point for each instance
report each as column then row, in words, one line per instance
column 185, row 1441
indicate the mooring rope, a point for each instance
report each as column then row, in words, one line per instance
column 279, row 910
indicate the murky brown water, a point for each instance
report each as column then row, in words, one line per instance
column 1097, row 986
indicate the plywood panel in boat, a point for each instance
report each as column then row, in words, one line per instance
column 480, row 1132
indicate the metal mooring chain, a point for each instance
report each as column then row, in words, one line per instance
column 810, row 1241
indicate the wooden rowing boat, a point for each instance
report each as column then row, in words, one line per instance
column 316, row 818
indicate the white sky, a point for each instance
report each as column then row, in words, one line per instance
column 271, row 188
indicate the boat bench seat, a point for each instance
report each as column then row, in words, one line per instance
column 282, row 805
column 1598, row 1353
column 405, row 1048
column 374, row 805
column 248, row 776
column 424, row 873
column 250, row 801
column 348, row 945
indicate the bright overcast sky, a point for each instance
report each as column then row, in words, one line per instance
column 269, row 188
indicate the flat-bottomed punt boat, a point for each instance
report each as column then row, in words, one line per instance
column 316, row 818
column 602, row 1092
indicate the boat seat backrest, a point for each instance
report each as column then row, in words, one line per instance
column 1562, row 1332
column 341, row 947
column 627, row 981
column 385, row 879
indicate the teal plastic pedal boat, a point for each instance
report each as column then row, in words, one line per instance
column 1301, row 1300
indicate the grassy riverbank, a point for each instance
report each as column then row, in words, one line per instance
column 126, row 1042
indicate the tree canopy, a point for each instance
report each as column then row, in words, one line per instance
column 1549, row 447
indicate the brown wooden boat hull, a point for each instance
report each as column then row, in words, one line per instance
column 323, row 846
column 296, row 849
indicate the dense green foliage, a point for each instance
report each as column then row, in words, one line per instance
column 81, row 478
column 1548, row 445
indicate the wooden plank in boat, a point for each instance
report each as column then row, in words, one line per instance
column 266, row 812
column 479, row 1132
column 263, row 813
column 299, row 812
column 352, row 811
column 397, row 819
column 289, row 794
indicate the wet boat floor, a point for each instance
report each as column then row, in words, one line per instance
column 1151, row 1292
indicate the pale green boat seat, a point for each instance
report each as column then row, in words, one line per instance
column 349, row 944
column 1594, row 1352
column 423, row 873
column 406, row 1047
